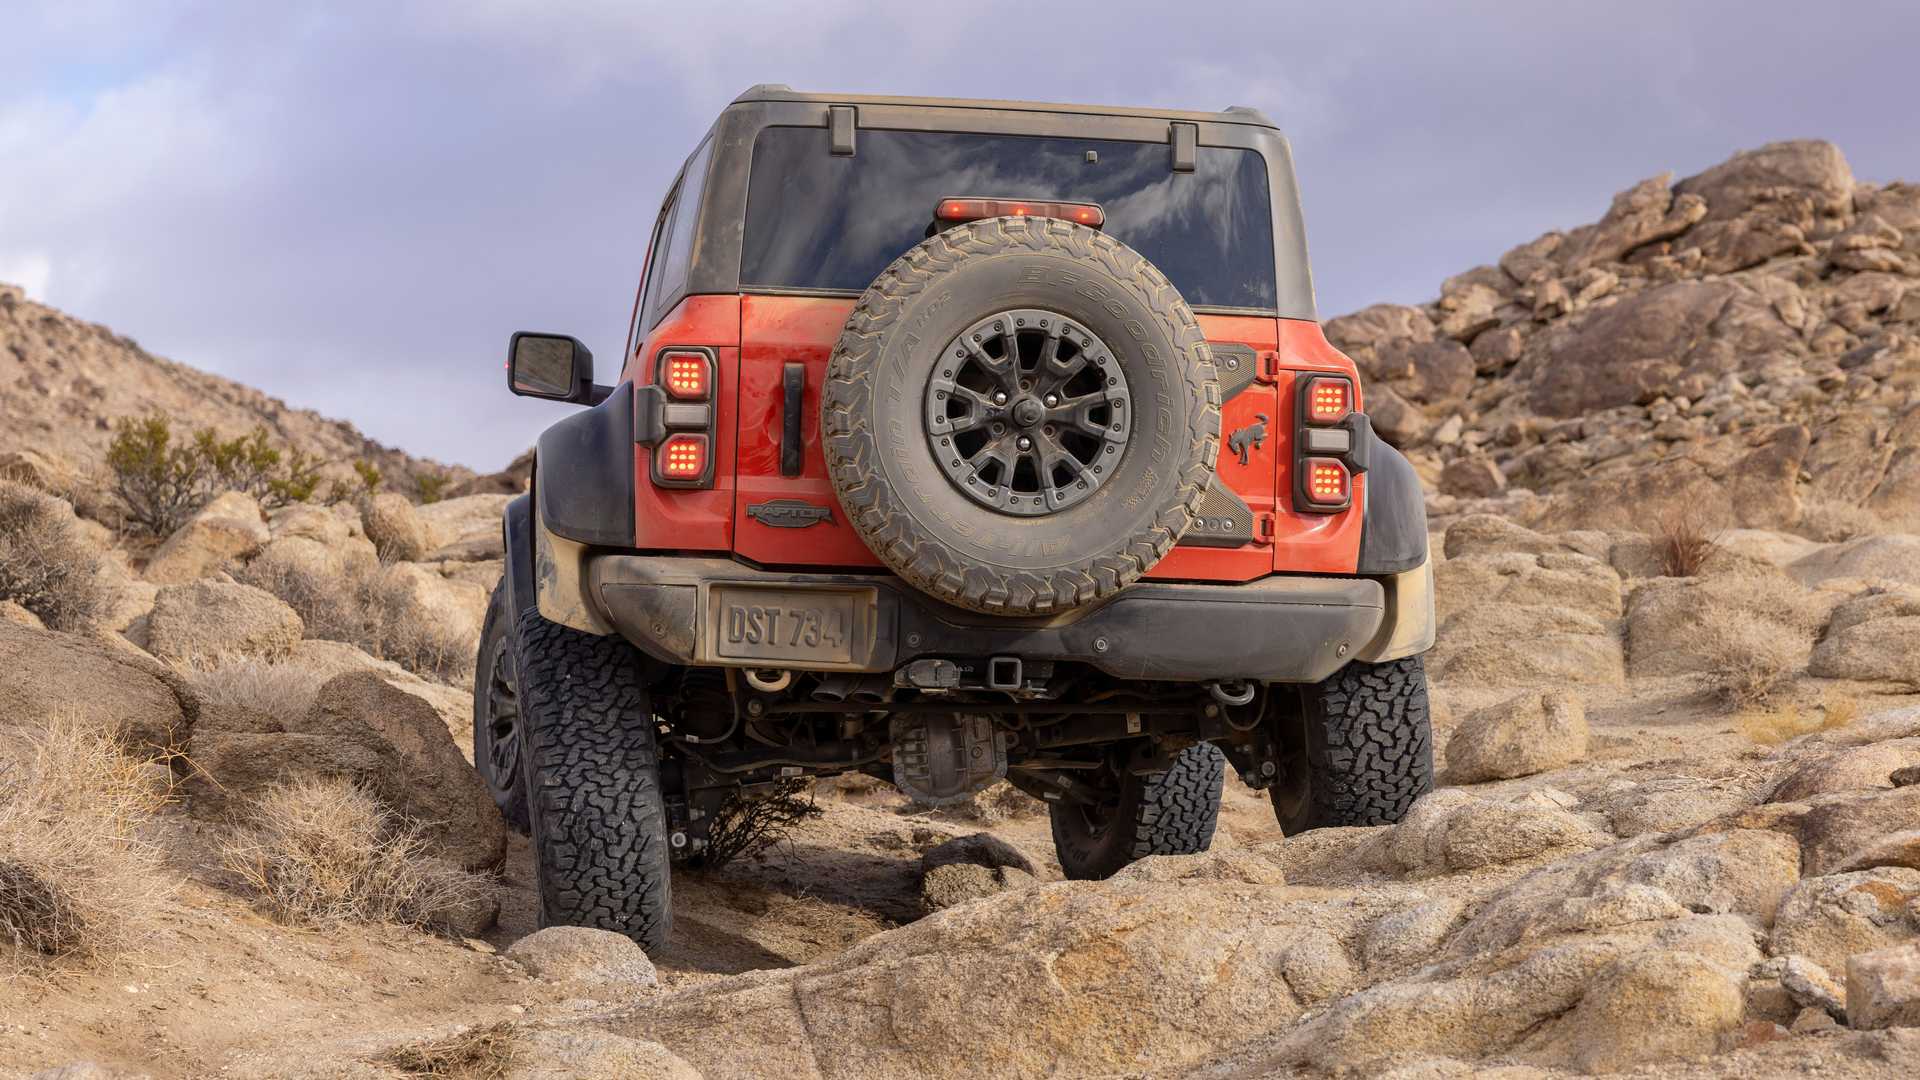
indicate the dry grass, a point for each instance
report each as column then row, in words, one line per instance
column 44, row 565
column 1684, row 545
column 359, row 610
column 1769, row 727
column 1756, row 630
column 746, row 824
column 320, row 852
column 77, row 882
column 478, row 1053
column 283, row 690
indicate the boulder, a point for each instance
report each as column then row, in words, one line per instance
column 1409, row 936
column 1892, row 849
column 1495, row 645
column 1532, row 733
column 323, row 564
column 1892, row 558
column 471, row 522
column 1582, row 1002
column 1872, row 651
column 1835, row 829
column 223, row 532
column 566, row 1053
column 1668, row 804
column 1472, row 478
column 1561, row 580
column 1852, row 769
column 199, row 622
column 409, row 594
column 365, row 729
column 453, row 704
column 1754, row 178
column 957, row 883
column 1875, row 603
column 1642, row 214
column 1065, row 978
column 1449, row 831
column 584, row 954
column 968, row 868
column 1434, row 373
column 1830, row 918
column 1491, row 534
column 1883, row 988
column 394, row 526
column 42, row 673
column 330, row 525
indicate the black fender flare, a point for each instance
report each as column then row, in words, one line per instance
column 516, row 524
column 1393, row 533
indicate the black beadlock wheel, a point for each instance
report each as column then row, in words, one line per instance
column 1357, row 751
column 1169, row 813
column 496, row 712
column 592, row 773
column 1021, row 416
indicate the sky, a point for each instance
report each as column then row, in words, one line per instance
column 352, row 205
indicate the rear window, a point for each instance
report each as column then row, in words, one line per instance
column 820, row 222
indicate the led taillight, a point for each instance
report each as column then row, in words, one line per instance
column 682, row 458
column 1087, row 214
column 1326, row 482
column 686, row 376
column 1328, row 400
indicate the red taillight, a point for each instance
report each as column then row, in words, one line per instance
column 686, row 376
column 681, row 459
column 1325, row 483
column 1328, row 400
column 1087, row 214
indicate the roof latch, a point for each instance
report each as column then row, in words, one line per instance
column 1186, row 142
column 840, row 128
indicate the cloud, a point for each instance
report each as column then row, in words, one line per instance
column 352, row 205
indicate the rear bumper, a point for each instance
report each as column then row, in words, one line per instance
column 1279, row 629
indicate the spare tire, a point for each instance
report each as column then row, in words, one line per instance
column 1021, row 416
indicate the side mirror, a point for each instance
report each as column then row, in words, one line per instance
column 552, row 366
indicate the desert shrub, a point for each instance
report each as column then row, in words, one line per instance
column 329, row 603
column 286, row 690
column 745, row 823
column 370, row 476
column 77, row 883
column 44, row 565
column 432, row 486
column 323, row 851
column 1760, row 633
column 161, row 482
column 1684, row 545
column 478, row 1053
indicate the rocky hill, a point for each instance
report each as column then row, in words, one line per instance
column 63, row 382
column 1675, row 833
column 1744, row 344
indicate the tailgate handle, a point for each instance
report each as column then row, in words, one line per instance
column 794, row 383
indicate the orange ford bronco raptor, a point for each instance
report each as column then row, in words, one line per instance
column 956, row 441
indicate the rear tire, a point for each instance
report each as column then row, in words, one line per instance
column 1169, row 813
column 592, row 773
column 1358, row 750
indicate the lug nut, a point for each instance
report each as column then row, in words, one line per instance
column 1052, row 400
column 1025, row 443
column 999, row 397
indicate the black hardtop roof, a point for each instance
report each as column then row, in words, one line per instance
column 1233, row 114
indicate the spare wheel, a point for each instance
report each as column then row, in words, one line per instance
column 1021, row 416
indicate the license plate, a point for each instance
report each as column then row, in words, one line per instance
column 791, row 625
